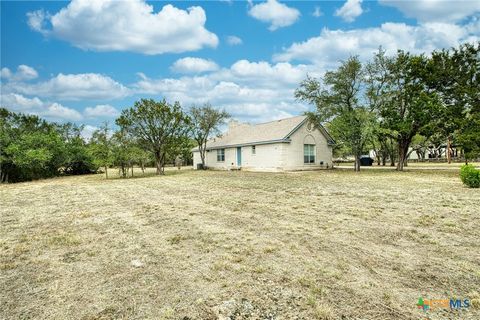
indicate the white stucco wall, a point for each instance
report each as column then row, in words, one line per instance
column 211, row 159
column 275, row 156
column 266, row 157
column 293, row 154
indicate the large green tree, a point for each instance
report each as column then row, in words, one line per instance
column 156, row 125
column 30, row 148
column 206, row 122
column 404, row 103
column 454, row 74
column 339, row 101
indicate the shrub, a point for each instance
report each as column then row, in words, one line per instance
column 470, row 176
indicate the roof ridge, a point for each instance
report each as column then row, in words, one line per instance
column 255, row 124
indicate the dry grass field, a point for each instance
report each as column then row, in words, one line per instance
column 238, row 245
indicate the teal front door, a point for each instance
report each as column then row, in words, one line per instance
column 239, row 156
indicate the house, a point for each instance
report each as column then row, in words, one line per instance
column 286, row 144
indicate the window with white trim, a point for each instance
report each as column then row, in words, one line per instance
column 308, row 153
column 220, row 155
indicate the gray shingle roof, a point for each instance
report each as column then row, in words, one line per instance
column 249, row 134
column 245, row 133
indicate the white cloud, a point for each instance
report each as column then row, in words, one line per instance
column 19, row 103
column 37, row 20
column 193, row 65
column 350, row 10
column 52, row 111
column 57, row 111
column 101, row 111
column 263, row 72
column 234, row 40
column 317, row 12
column 277, row 14
column 23, row 72
column 72, row 87
column 436, row 10
column 5, row 73
column 332, row 46
column 108, row 25
column 88, row 131
column 255, row 91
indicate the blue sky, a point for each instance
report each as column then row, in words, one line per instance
column 85, row 61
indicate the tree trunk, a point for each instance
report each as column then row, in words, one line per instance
column 402, row 153
column 449, row 151
column 392, row 161
column 203, row 147
column 202, row 156
column 143, row 167
column 132, row 170
column 123, row 170
column 357, row 163
column 106, row 172
column 158, row 162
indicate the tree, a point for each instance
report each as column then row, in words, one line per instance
column 338, row 101
column 30, row 148
column 377, row 75
column 454, row 75
column 468, row 95
column 205, row 125
column 140, row 157
column 419, row 145
column 101, row 147
column 78, row 159
column 156, row 126
column 180, row 151
column 123, row 151
column 404, row 104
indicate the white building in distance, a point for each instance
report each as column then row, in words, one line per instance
column 287, row 144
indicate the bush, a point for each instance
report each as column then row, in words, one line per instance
column 470, row 176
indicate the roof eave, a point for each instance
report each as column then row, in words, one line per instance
column 245, row 144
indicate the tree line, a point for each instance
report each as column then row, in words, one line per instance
column 400, row 104
column 149, row 133
column 393, row 105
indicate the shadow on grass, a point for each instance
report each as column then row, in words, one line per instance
column 454, row 172
column 113, row 174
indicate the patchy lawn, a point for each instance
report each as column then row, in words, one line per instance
column 196, row 245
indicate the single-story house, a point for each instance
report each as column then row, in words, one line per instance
column 286, row 144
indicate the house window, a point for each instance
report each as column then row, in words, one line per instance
column 254, row 151
column 308, row 153
column 221, row 155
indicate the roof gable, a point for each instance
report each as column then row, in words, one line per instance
column 262, row 133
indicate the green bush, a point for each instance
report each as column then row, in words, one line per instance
column 470, row 176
